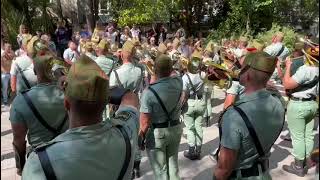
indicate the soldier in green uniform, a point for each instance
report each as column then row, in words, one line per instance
column 159, row 120
column 106, row 64
column 89, row 50
column 37, row 112
column 129, row 76
column 22, row 74
column 250, row 127
column 193, row 85
column 90, row 149
column 301, row 110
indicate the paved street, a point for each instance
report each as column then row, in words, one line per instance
column 197, row 170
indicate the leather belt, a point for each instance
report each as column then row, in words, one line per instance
column 312, row 98
column 166, row 124
column 250, row 172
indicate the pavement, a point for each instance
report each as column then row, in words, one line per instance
column 196, row 170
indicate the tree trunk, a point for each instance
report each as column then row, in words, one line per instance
column 59, row 8
column 26, row 14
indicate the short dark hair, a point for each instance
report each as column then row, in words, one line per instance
column 87, row 108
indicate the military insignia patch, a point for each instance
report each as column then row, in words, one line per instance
column 124, row 116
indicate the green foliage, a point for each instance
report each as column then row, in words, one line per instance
column 13, row 17
column 289, row 35
column 143, row 12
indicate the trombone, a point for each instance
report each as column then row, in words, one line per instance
column 218, row 75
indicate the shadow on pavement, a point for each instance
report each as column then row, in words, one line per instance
column 6, row 132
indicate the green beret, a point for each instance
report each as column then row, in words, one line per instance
column 162, row 48
column 299, row 46
column 26, row 38
column 128, row 46
column 103, row 44
column 196, row 54
column 86, row 81
column 163, row 64
column 261, row 61
column 210, row 47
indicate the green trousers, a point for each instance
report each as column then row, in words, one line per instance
column 193, row 119
column 162, row 146
column 300, row 115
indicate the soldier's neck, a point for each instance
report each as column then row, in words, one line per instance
column 249, row 90
column 126, row 61
column 75, row 121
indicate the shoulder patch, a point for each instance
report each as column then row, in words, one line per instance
column 124, row 116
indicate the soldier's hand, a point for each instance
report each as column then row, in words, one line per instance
column 130, row 99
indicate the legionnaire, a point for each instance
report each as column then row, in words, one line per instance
column 110, row 143
column 37, row 112
column 90, row 51
column 243, row 153
column 106, row 64
column 301, row 110
column 162, row 48
column 22, row 74
column 193, row 85
column 159, row 120
column 129, row 76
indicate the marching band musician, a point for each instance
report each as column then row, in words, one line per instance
column 301, row 110
column 193, row 86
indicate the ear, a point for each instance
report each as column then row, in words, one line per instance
column 66, row 104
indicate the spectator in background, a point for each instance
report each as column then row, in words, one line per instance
column 126, row 35
column 162, row 35
column 39, row 33
column 62, row 38
column 111, row 34
column 6, row 61
column 51, row 45
column 85, row 33
column 71, row 54
column 23, row 32
column 184, row 48
column 135, row 32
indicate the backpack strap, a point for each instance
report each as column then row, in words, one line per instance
column 192, row 86
column 252, row 132
column 281, row 50
column 26, row 82
column 46, row 164
column 136, row 89
column 160, row 102
column 40, row 118
column 118, row 79
column 128, row 152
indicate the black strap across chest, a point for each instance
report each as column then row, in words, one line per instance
column 192, row 86
column 26, row 82
column 40, row 118
column 281, row 50
column 136, row 89
column 251, row 130
column 49, row 171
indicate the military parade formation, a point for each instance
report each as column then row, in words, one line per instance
column 88, row 108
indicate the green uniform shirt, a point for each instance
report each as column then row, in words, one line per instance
column 26, row 66
column 129, row 75
column 105, row 63
column 89, row 152
column 304, row 75
column 265, row 112
column 169, row 90
column 90, row 55
column 48, row 100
